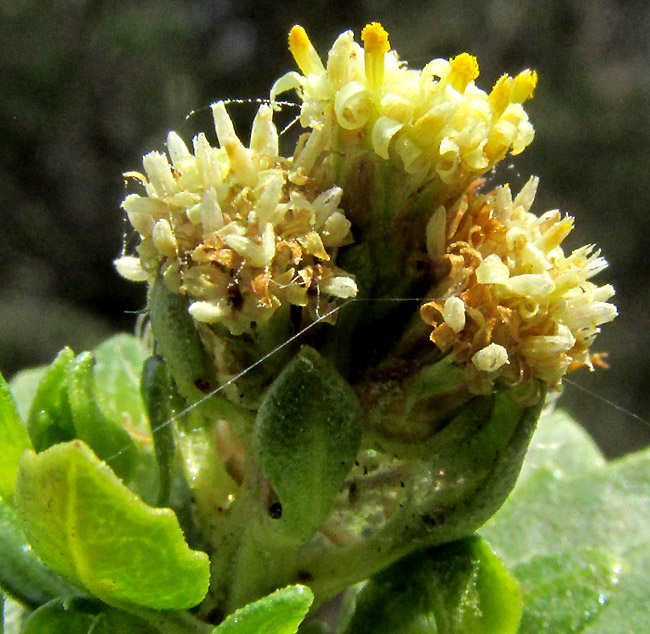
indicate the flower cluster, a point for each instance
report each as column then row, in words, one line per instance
column 325, row 451
column 509, row 302
column 392, row 156
column 437, row 121
column 237, row 228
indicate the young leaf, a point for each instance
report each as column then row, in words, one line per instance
column 13, row 438
column 81, row 616
column 463, row 587
column 50, row 420
column 118, row 368
column 566, row 591
column 279, row 613
column 22, row 575
column 306, row 437
column 23, row 386
column 84, row 523
column 110, row 441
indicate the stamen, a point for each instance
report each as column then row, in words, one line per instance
column 303, row 52
column 464, row 69
column 524, row 86
column 375, row 46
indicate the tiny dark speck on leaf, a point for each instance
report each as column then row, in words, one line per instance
column 275, row 511
column 202, row 385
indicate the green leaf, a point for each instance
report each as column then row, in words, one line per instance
column 460, row 588
column 23, row 387
column 157, row 394
column 13, row 438
column 279, row 613
column 81, row 616
column 566, row 591
column 561, row 447
column 110, row 441
column 604, row 508
column 22, row 575
column 306, row 437
column 118, row 368
column 50, row 420
column 84, row 523
column 559, row 508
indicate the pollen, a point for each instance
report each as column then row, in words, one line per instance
column 303, row 51
column 464, row 69
column 375, row 39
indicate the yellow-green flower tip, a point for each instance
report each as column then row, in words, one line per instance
column 375, row 38
column 464, row 69
column 303, row 51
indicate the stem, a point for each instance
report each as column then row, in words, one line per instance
column 253, row 555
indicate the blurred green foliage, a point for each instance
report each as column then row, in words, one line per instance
column 88, row 86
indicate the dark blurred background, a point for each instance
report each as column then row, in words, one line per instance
column 88, row 86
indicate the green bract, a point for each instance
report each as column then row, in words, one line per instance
column 306, row 437
column 279, row 613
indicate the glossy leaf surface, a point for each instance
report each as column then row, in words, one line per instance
column 118, row 367
column 23, row 387
column 278, row 613
column 461, row 588
column 50, row 419
column 109, row 440
column 84, row 523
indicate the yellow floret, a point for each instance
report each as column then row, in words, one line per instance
column 464, row 69
column 375, row 46
column 235, row 230
column 303, row 51
column 524, row 86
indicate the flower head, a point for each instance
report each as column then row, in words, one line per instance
column 509, row 302
column 235, row 228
